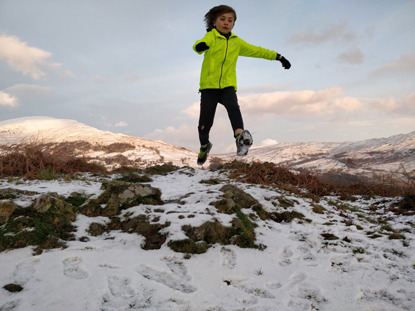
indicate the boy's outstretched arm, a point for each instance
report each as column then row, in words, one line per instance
column 250, row 50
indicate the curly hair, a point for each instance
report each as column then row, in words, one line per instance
column 214, row 13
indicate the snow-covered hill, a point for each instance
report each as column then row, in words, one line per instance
column 381, row 156
column 71, row 138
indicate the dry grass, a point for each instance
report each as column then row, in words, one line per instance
column 330, row 183
column 31, row 162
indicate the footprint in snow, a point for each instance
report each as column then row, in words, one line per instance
column 297, row 277
column 228, row 258
column 286, row 255
column 307, row 255
column 120, row 286
column 123, row 296
column 177, row 279
column 177, row 267
column 73, row 268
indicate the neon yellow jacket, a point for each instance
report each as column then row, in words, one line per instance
column 219, row 63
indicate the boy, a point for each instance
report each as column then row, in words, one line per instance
column 221, row 49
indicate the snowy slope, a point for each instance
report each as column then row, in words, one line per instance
column 77, row 139
column 298, row 270
column 383, row 156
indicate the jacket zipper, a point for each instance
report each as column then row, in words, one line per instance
column 221, row 68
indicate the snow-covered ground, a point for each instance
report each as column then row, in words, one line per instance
column 300, row 269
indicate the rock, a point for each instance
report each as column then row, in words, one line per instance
column 121, row 195
column 51, row 203
column 238, row 196
column 13, row 288
column 45, row 201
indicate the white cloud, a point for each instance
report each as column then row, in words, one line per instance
column 29, row 60
column 7, row 100
column 347, row 104
column 382, row 104
column 192, row 111
column 291, row 103
column 268, row 142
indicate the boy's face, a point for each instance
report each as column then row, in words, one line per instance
column 224, row 23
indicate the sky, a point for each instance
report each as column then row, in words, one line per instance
column 128, row 66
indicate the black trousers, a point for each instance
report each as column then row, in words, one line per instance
column 209, row 100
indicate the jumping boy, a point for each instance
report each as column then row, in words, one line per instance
column 221, row 49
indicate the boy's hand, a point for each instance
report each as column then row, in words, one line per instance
column 285, row 63
column 200, row 47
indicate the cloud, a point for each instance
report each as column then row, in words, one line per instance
column 353, row 57
column 192, row 111
column 404, row 106
column 382, row 104
column 347, row 104
column 7, row 100
column 404, row 65
column 268, row 142
column 309, row 103
column 292, row 103
column 26, row 59
column 337, row 32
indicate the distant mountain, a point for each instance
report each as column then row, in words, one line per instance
column 380, row 156
column 372, row 157
column 71, row 138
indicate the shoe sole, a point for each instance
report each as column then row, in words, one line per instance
column 245, row 142
column 201, row 162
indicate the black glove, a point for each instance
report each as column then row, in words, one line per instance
column 200, row 47
column 285, row 63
